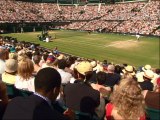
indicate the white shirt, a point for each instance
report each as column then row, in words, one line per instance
column 47, row 39
column 65, row 76
column 23, row 84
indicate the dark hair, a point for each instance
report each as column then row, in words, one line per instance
column 45, row 57
column 29, row 54
column 101, row 78
column 62, row 64
column 70, row 61
column 47, row 79
column 36, row 59
column 118, row 69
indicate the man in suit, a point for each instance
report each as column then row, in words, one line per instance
column 38, row 105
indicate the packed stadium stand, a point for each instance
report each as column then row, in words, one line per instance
column 134, row 17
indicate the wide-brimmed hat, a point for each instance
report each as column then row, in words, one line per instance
column 93, row 63
column 11, row 65
column 146, row 67
column 149, row 74
column 84, row 67
column 129, row 69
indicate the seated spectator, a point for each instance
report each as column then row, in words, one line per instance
column 151, row 96
column 49, row 62
column 43, row 59
column 69, row 62
column 66, row 77
column 104, row 92
column 140, row 73
column 129, row 70
column 24, row 78
column 9, row 76
column 112, row 78
column 101, row 78
column 38, row 106
column 147, row 77
column 13, row 56
column 126, row 102
column 36, row 60
column 80, row 96
column 3, row 99
column 2, row 59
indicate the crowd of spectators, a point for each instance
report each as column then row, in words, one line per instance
column 78, row 87
column 137, row 17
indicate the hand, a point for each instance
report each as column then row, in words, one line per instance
column 70, row 114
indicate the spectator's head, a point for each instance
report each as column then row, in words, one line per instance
column 62, row 64
column 84, row 70
column 128, row 100
column 101, row 78
column 29, row 54
column 13, row 56
column 50, row 59
column 2, row 53
column 12, row 50
column 118, row 69
column 11, row 66
column 36, row 59
column 47, row 83
column 157, row 71
column 25, row 68
column 146, row 67
column 70, row 61
column 110, row 68
column 148, row 75
column 45, row 56
column 129, row 70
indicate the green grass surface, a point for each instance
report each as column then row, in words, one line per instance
column 101, row 46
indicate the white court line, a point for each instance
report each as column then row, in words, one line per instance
column 119, row 43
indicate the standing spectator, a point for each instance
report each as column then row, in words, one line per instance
column 38, row 106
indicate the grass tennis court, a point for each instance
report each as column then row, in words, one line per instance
column 113, row 47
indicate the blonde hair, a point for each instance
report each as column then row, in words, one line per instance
column 25, row 68
column 128, row 100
